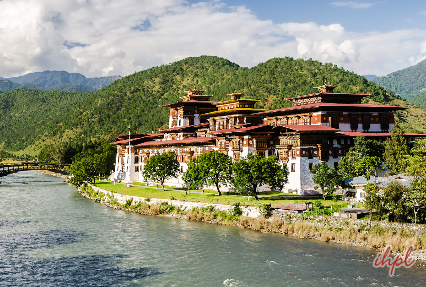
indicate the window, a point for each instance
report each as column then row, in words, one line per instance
column 334, row 122
column 385, row 123
column 366, row 123
column 335, row 153
column 136, row 168
column 306, row 121
column 293, row 167
column 354, row 123
column 311, row 165
column 310, row 153
column 136, row 159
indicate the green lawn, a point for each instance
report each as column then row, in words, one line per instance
column 198, row 196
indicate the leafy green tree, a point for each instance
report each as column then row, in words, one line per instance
column 254, row 171
column 394, row 196
column 416, row 201
column 213, row 168
column 1, row 151
column 396, row 151
column 363, row 159
column 326, row 178
column 161, row 167
column 416, row 167
column 374, row 199
column 97, row 161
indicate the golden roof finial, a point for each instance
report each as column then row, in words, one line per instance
column 326, row 88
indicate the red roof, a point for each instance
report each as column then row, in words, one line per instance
column 355, row 134
column 240, row 130
column 184, row 127
column 310, row 128
column 325, row 93
column 298, row 207
column 184, row 141
column 190, row 101
column 328, row 105
column 126, row 141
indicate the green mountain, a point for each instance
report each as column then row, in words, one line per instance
column 51, row 78
column 408, row 83
column 6, row 85
column 135, row 100
column 56, row 81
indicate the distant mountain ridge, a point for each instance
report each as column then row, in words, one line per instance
column 408, row 83
column 369, row 77
column 56, row 81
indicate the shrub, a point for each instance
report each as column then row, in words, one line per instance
column 236, row 210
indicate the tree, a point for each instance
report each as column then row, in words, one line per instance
column 326, row 178
column 394, row 197
column 254, row 171
column 213, row 168
column 363, row 159
column 1, row 151
column 396, row 151
column 91, row 163
column 416, row 200
column 354, row 164
column 161, row 167
column 374, row 199
column 416, row 167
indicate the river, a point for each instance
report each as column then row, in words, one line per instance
column 52, row 236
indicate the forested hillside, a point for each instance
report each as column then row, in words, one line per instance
column 409, row 83
column 136, row 99
column 30, row 115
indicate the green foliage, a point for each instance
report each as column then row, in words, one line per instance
column 212, row 168
column 265, row 210
column 254, row 171
column 408, row 83
column 368, row 147
column 396, row 151
column 363, row 159
column 88, row 164
column 419, row 101
column 236, row 210
column 374, row 199
column 416, row 167
column 166, row 208
column 326, row 178
column 31, row 117
column 161, row 167
column 395, row 195
column 319, row 211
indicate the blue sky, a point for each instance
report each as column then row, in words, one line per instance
column 100, row 38
column 356, row 16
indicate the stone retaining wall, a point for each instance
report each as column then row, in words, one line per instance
column 249, row 211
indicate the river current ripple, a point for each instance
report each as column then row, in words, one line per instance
column 51, row 236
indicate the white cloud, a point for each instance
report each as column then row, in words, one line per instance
column 99, row 38
column 352, row 4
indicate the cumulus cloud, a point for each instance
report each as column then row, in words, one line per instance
column 100, row 38
column 352, row 4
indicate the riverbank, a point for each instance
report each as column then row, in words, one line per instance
column 56, row 173
column 376, row 235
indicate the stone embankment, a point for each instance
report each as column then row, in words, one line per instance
column 249, row 211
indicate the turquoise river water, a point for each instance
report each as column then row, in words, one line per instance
column 52, row 236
